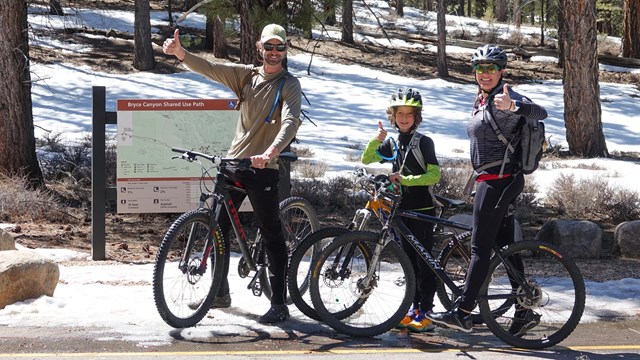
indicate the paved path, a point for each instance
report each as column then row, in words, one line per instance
column 593, row 341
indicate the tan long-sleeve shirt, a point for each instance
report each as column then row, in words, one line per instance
column 253, row 134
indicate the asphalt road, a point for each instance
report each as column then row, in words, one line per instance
column 593, row 341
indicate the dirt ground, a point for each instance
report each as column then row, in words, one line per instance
column 134, row 238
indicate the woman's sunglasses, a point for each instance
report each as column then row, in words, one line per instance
column 489, row 69
column 278, row 47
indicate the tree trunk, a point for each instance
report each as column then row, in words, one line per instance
column 55, row 8
column 428, row 5
column 480, row 8
column 542, row 22
column 347, row 21
column 631, row 32
column 142, row 49
column 247, row 38
column 188, row 4
column 17, row 139
column 561, row 4
column 329, row 7
column 400, row 8
column 517, row 13
column 443, row 72
column 582, row 112
column 215, row 30
column 501, row 10
column 460, row 9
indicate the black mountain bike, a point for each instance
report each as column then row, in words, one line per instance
column 362, row 284
column 452, row 246
column 189, row 263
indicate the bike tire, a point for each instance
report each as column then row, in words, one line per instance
column 558, row 295
column 454, row 258
column 183, row 295
column 299, row 219
column 385, row 303
column 300, row 263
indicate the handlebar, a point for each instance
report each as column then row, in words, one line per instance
column 192, row 155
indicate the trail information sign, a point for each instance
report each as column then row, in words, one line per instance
column 148, row 179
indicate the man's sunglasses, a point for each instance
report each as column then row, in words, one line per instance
column 278, row 47
column 489, row 69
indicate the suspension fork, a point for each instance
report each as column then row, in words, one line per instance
column 211, row 235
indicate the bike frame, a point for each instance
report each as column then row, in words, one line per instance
column 221, row 197
column 394, row 225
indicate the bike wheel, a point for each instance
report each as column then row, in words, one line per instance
column 546, row 305
column 454, row 258
column 184, row 290
column 344, row 300
column 299, row 270
column 298, row 219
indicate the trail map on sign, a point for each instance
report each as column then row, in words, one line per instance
column 148, row 179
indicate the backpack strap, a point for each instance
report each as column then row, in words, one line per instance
column 244, row 83
column 496, row 129
column 414, row 145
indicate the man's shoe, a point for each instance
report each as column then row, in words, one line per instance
column 451, row 319
column 524, row 321
column 221, row 302
column 276, row 314
column 421, row 323
column 407, row 319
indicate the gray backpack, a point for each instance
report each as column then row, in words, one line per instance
column 529, row 146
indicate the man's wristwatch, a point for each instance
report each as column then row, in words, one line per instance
column 516, row 106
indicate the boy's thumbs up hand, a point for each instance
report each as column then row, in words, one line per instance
column 382, row 133
column 503, row 101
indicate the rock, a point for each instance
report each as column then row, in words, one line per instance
column 576, row 239
column 627, row 239
column 6, row 241
column 26, row 275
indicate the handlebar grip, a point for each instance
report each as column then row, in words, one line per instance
column 288, row 156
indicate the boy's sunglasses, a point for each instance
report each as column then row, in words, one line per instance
column 278, row 47
column 489, row 69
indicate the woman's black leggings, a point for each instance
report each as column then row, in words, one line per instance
column 492, row 224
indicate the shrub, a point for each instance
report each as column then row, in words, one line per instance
column 19, row 203
column 592, row 199
column 454, row 174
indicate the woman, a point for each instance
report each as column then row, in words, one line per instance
column 414, row 169
column 498, row 178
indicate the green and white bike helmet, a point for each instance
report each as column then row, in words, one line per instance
column 406, row 97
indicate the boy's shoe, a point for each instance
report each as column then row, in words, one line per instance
column 276, row 314
column 421, row 323
column 524, row 321
column 451, row 319
column 407, row 319
column 221, row 302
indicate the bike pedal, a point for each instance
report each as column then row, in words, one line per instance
column 254, row 285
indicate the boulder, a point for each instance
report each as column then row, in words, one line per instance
column 627, row 239
column 576, row 239
column 6, row 241
column 26, row 275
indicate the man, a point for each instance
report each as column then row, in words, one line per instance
column 269, row 104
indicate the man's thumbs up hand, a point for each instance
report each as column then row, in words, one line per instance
column 172, row 46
